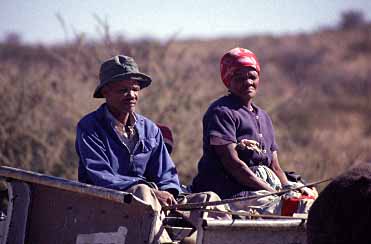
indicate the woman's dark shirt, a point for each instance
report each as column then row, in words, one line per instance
column 228, row 119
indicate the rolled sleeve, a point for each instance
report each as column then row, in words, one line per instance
column 222, row 125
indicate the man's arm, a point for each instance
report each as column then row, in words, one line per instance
column 238, row 169
column 161, row 168
column 94, row 162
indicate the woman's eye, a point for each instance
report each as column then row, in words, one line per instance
column 240, row 78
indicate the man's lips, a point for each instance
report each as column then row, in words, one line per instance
column 129, row 102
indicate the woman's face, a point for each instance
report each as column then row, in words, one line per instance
column 244, row 83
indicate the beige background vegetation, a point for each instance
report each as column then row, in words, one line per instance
column 316, row 87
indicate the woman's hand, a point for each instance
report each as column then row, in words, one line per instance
column 250, row 145
column 165, row 198
column 310, row 191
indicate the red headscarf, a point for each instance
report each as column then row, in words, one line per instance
column 234, row 59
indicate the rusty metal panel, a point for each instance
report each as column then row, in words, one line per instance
column 59, row 216
column 63, row 212
column 59, row 183
column 252, row 232
column 17, row 213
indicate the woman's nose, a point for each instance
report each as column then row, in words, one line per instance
column 250, row 81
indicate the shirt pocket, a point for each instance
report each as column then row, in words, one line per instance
column 147, row 145
column 142, row 155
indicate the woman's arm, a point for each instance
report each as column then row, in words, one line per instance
column 276, row 168
column 238, row 169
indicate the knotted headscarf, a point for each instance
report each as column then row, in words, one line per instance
column 234, row 59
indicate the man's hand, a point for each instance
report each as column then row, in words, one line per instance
column 165, row 198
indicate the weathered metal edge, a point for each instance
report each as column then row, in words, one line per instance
column 274, row 225
column 64, row 184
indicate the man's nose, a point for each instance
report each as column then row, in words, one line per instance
column 131, row 93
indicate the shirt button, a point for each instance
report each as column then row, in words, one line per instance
column 260, row 135
column 257, row 116
column 264, row 151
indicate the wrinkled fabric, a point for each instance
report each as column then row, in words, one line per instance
column 145, row 193
column 270, row 205
column 105, row 161
column 203, row 197
column 286, row 205
column 234, row 59
column 266, row 174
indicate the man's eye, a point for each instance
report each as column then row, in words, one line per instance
column 124, row 90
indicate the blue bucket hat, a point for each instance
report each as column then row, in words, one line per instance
column 120, row 68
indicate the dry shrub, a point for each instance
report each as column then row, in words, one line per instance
column 316, row 88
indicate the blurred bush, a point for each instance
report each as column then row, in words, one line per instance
column 353, row 19
column 315, row 86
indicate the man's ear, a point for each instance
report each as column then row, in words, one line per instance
column 104, row 91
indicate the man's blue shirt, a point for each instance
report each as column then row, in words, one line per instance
column 105, row 161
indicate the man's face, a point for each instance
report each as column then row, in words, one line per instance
column 121, row 96
column 244, row 83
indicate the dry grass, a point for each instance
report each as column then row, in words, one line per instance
column 316, row 87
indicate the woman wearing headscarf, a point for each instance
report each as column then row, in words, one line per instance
column 239, row 146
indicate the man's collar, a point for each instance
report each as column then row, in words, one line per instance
column 131, row 120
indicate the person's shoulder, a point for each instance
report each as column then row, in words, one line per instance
column 89, row 120
column 143, row 119
column 261, row 111
column 225, row 100
column 223, row 105
column 146, row 123
column 263, row 115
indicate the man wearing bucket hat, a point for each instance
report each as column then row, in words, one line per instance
column 239, row 147
column 123, row 150
column 119, row 148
